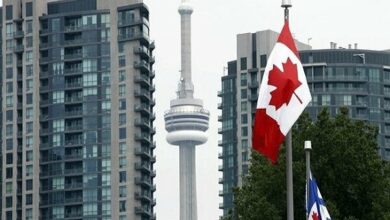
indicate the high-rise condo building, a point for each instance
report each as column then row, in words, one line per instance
column 77, row 110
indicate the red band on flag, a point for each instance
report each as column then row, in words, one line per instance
column 286, row 38
column 267, row 137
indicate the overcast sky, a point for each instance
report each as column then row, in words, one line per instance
column 215, row 25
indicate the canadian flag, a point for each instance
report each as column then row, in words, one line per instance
column 283, row 96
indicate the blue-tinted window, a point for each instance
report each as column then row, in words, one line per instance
column 29, row 9
column 8, row 12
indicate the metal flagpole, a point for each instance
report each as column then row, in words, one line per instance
column 307, row 152
column 290, row 196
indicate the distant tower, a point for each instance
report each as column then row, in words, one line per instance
column 186, row 121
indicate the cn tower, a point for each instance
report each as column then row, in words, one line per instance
column 187, row 121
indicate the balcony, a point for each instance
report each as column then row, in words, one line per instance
column 73, row 71
column 143, row 196
column 142, row 93
column 142, row 51
column 253, row 85
column 19, row 34
column 143, row 123
column 74, row 113
column 19, row 48
column 142, row 137
column 73, row 142
column 253, row 97
column 74, row 128
column 75, row 56
column 73, row 99
column 143, row 181
column 72, row 28
column 77, row 41
column 143, row 212
column 73, row 85
column 142, row 79
column 144, row 152
column 142, row 108
column 143, row 167
column 143, row 65
column 74, row 171
column 73, row 156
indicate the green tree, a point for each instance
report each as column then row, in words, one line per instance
column 354, row 181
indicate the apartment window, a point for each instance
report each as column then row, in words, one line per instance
column 58, row 125
column 122, row 133
column 29, row 170
column 122, row 90
column 244, row 79
column 29, row 42
column 9, row 144
column 9, row 87
column 122, row 61
column 29, row 214
column 29, row 27
column 29, row 113
column 9, row 101
column 8, row 12
column 244, row 93
column 243, row 63
column 89, row 65
column 9, row 72
column 58, row 97
column 9, row 59
column 9, row 30
column 106, row 179
column 9, row 130
column 105, row 20
column 8, row 187
column 29, row 141
column 29, row 70
column 122, row 75
column 29, row 184
column 244, row 119
column 122, row 191
column 106, row 78
column 121, row 47
column 90, row 79
column 122, row 104
column 106, row 165
column 8, row 202
column 9, row 215
column 123, row 217
column 122, row 176
column 90, row 209
column 29, row 156
column 55, row 24
column 122, row 118
column 29, row 56
column 122, row 162
column 122, row 148
column 106, row 106
column 8, row 173
column 29, row 9
column 244, row 106
column 29, row 99
column 9, row 44
column 9, row 158
column 29, row 199
column 263, row 61
column 58, row 212
column 244, row 131
column 122, row 206
column 325, row 100
column 106, row 209
column 29, row 127
column 29, row 84
column 58, row 183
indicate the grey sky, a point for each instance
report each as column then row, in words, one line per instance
column 215, row 25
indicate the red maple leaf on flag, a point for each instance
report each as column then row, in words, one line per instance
column 315, row 216
column 286, row 83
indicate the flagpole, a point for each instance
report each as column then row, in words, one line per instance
column 286, row 4
column 307, row 152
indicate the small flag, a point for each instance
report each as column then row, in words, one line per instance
column 315, row 207
column 283, row 96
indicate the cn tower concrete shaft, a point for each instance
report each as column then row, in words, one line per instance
column 186, row 121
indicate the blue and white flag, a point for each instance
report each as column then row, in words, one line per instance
column 315, row 207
